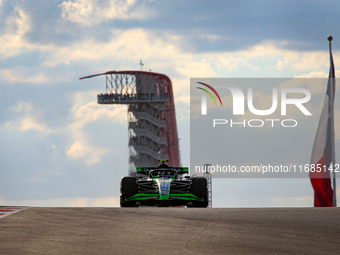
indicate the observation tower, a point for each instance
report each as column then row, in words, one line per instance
column 152, row 127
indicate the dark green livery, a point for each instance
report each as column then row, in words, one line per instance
column 163, row 186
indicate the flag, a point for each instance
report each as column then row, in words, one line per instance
column 323, row 148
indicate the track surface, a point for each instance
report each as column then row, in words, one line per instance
column 171, row 231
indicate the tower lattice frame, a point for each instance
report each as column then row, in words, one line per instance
column 152, row 127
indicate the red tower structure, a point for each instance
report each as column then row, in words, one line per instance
column 152, row 124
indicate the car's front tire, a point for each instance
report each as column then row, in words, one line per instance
column 199, row 188
column 128, row 187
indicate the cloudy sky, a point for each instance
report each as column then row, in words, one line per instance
column 59, row 148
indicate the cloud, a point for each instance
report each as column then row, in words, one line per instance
column 26, row 119
column 28, row 123
column 132, row 44
column 201, row 68
column 65, row 202
column 269, row 58
column 292, row 201
column 21, row 75
column 303, row 201
column 315, row 74
column 16, row 26
column 317, row 86
column 93, row 12
column 31, row 124
column 211, row 37
column 22, row 107
column 80, row 150
column 85, row 112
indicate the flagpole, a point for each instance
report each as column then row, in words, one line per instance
column 330, row 38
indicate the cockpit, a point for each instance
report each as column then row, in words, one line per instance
column 163, row 173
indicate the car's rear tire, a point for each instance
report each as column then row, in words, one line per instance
column 128, row 187
column 199, row 188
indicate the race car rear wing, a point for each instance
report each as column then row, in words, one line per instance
column 146, row 170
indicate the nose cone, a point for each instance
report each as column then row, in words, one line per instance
column 164, row 188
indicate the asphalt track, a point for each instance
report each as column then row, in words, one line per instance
column 171, row 231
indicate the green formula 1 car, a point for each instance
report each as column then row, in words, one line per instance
column 163, row 186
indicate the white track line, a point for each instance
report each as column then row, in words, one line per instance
column 9, row 210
